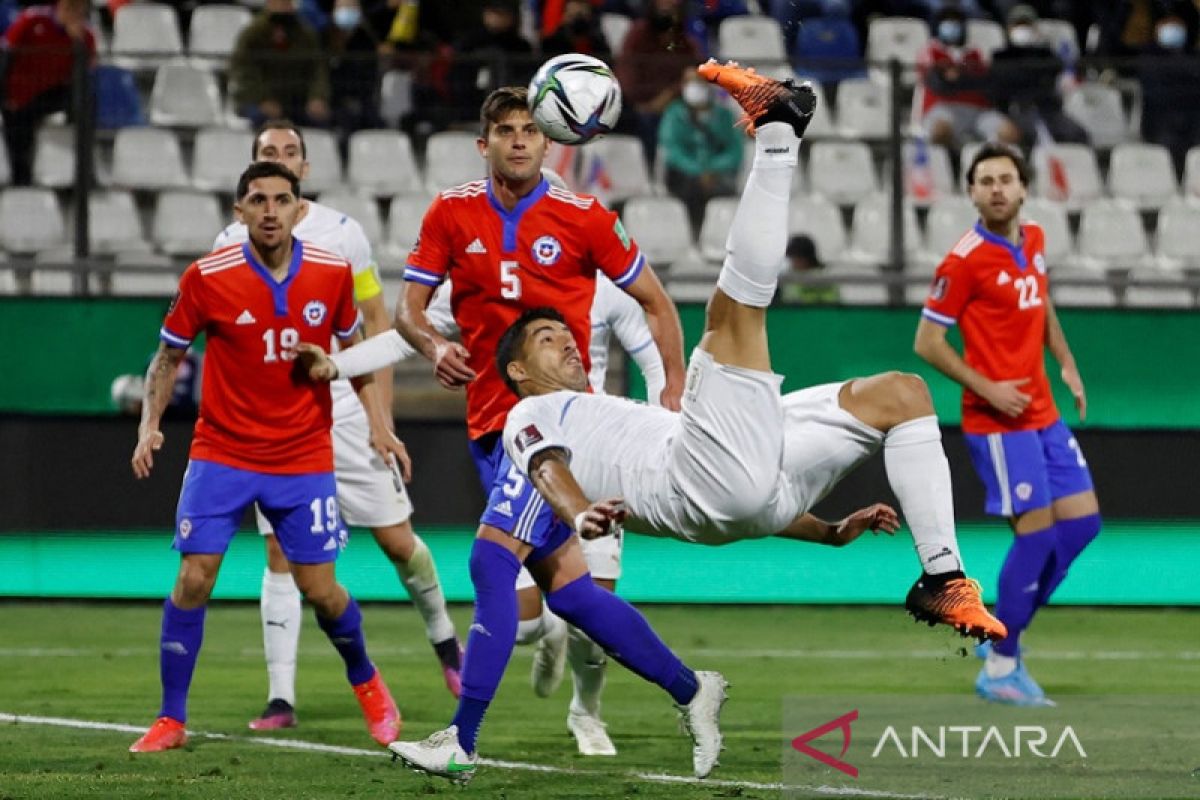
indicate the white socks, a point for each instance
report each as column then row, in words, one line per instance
column 997, row 666
column 281, row 615
column 588, row 666
column 920, row 476
column 420, row 578
column 759, row 232
column 531, row 630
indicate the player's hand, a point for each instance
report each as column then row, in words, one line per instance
column 602, row 518
column 875, row 518
column 671, row 396
column 1005, row 397
column 143, row 454
column 390, row 447
column 312, row 361
column 1070, row 376
column 450, row 365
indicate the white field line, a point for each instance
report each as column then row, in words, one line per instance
column 317, row 747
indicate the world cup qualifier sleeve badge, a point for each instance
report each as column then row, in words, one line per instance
column 546, row 250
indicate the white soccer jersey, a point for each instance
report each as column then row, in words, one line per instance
column 614, row 311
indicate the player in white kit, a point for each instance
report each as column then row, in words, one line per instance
column 371, row 492
column 739, row 461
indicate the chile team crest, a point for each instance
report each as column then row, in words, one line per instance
column 314, row 312
column 547, row 250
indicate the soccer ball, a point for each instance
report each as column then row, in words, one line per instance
column 575, row 98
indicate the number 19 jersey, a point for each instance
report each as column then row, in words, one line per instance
column 996, row 292
column 546, row 251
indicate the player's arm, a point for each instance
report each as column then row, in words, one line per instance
column 551, row 476
column 1056, row 343
column 810, row 528
column 160, row 383
column 663, row 319
column 626, row 320
column 449, row 358
column 379, row 416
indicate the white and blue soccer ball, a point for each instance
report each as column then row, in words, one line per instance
column 575, row 98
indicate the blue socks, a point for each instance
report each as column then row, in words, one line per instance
column 492, row 637
column 1020, row 585
column 624, row 634
column 179, row 647
column 1072, row 536
column 346, row 634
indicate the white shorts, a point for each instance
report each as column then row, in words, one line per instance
column 368, row 495
column 603, row 559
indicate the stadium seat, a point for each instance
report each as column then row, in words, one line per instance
column 718, row 215
column 1097, row 107
column 1068, row 173
column 859, row 284
column 213, row 31
column 965, row 154
column 395, row 96
column 987, row 35
column 614, row 169
column 219, row 156
column 751, row 39
column 1052, row 216
column 324, row 162
column 360, row 207
column 901, row 38
column 30, row 220
column 1176, row 239
column 827, row 49
column 871, row 231
column 661, row 228
column 118, row 102
column 948, row 221
column 936, row 177
column 1142, row 174
column 862, row 109
column 1059, row 34
column 48, row 278
column 1080, row 287
column 5, row 166
column 8, row 278
column 1111, row 235
column 185, row 96
column 1191, row 173
column 615, row 27
column 1169, row 291
column 145, row 35
column 841, row 171
column 404, row 225
column 451, row 158
column 161, row 282
column 54, row 157
column 113, row 223
column 821, row 221
column 185, row 222
column 382, row 163
column 148, row 158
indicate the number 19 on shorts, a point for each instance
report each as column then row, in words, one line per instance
column 324, row 515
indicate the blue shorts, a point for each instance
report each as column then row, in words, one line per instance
column 302, row 509
column 514, row 505
column 1024, row 470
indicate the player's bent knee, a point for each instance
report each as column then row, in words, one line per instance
column 912, row 394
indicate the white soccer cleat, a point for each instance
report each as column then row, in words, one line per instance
column 549, row 661
column 439, row 755
column 590, row 734
column 702, row 720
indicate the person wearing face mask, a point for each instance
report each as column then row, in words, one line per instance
column 951, row 97
column 1024, row 82
column 701, row 148
column 1169, row 72
column 278, row 70
column 578, row 32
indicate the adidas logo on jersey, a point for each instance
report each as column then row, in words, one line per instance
column 246, row 318
column 504, row 508
column 476, row 247
column 1003, row 278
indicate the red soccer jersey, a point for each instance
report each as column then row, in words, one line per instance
column 996, row 292
column 254, row 413
column 545, row 252
column 40, row 55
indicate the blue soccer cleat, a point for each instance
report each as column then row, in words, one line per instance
column 983, row 650
column 1016, row 688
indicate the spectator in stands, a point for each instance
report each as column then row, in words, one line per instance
column 952, row 84
column 701, row 148
column 278, row 70
column 37, row 63
column 494, row 55
column 803, row 261
column 578, row 32
column 1025, row 82
column 353, row 44
column 1169, row 72
column 656, row 51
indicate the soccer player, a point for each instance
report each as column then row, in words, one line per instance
column 993, row 284
column 369, row 494
column 262, row 436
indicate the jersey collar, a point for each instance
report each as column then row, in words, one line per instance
column 1016, row 250
column 512, row 218
column 279, row 289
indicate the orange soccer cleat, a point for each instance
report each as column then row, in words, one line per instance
column 379, row 709
column 164, row 734
column 763, row 99
column 953, row 600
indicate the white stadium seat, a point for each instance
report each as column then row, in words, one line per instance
column 145, row 35
column 615, row 27
column 841, row 171
column 1111, row 234
column 1177, row 242
column 1142, row 174
column 948, row 221
column 381, row 162
column 148, row 158
column 30, row 220
column 718, row 216
column 661, row 228
column 5, row 166
column 1191, row 173
column 751, row 39
column 865, row 286
column 623, row 161
column 1059, row 35
column 1174, row 294
column 395, row 96
column 185, row 222
column 821, row 221
column 359, row 207
column 54, row 156
column 185, row 95
column 1052, row 216
column 1078, row 166
column 940, row 177
column 1081, row 287
column 324, row 162
column 219, row 157
column 162, row 282
column 863, row 109
column 987, row 35
column 213, row 31
column 871, row 231
column 404, row 224
column 451, row 158
column 901, row 38
column 113, row 223
column 1097, row 107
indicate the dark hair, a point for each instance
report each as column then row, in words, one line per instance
column 278, row 125
column 508, row 349
column 266, row 169
column 997, row 150
column 499, row 104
